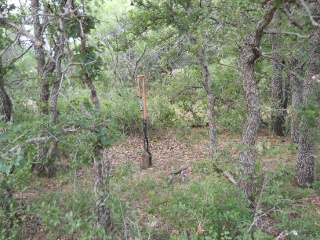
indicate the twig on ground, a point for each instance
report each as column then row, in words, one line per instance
column 286, row 233
column 230, row 177
column 257, row 210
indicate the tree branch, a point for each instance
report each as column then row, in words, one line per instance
column 314, row 23
column 48, row 138
column 84, row 110
column 268, row 15
column 230, row 177
column 21, row 30
column 258, row 210
column 286, row 33
column 295, row 22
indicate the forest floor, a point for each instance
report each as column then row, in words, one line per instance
column 144, row 191
column 172, row 149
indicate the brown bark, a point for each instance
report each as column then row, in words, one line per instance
column 6, row 112
column 93, row 92
column 305, row 160
column 250, row 53
column 277, row 100
column 206, row 82
column 296, row 99
column 5, row 21
column 43, row 86
column 52, row 152
column 6, row 115
column 101, row 166
column 304, row 173
column 45, row 155
column 87, row 78
column 210, row 104
column 101, row 173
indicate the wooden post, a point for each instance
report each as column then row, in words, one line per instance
column 146, row 159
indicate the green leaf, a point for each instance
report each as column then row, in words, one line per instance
column 74, row 32
column 90, row 24
column 4, row 136
column 3, row 161
column 5, row 169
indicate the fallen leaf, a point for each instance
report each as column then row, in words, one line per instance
column 200, row 230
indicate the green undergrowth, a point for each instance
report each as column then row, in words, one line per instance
column 144, row 205
column 207, row 200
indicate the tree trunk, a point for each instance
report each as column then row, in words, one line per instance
column 87, row 80
column 277, row 104
column 101, row 173
column 250, row 132
column 305, row 161
column 210, row 96
column 43, row 86
column 304, row 173
column 52, row 152
column 45, row 165
column 296, row 99
column 93, row 92
column 101, row 166
column 250, row 53
column 6, row 115
column 277, row 100
column 210, row 103
column 6, row 112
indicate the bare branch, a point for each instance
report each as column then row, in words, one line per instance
column 258, row 210
column 314, row 23
column 9, row 46
column 40, row 139
column 66, row 99
column 286, row 33
column 49, row 137
column 84, row 110
column 230, row 177
column 21, row 55
column 21, row 30
column 295, row 22
column 268, row 16
column 14, row 149
column 137, row 62
column 286, row 233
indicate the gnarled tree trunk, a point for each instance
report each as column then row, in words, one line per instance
column 210, row 105
column 43, row 86
column 250, row 53
column 206, row 82
column 101, row 173
column 45, row 155
column 305, row 161
column 101, row 166
column 6, row 115
column 304, row 173
column 277, row 100
column 296, row 99
column 59, row 51
column 6, row 112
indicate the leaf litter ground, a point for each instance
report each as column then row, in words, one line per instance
column 170, row 150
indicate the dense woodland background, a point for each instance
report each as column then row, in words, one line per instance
column 232, row 93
